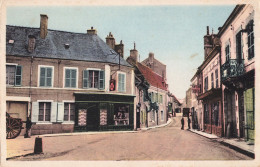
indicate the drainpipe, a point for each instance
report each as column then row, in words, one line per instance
column 30, row 90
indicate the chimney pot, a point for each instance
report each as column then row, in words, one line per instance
column 207, row 30
column 92, row 31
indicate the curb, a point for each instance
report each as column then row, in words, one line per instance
column 159, row 126
column 236, row 148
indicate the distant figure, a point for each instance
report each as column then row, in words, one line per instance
column 182, row 123
column 28, row 128
column 189, row 122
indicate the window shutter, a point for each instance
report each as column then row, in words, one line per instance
column 123, row 82
column 48, row 77
column 102, row 79
column 53, row 111
column 60, row 115
column 42, row 76
column 85, row 79
column 35, row 112
column 67, row 77
column 18, row 76
column 119, row 82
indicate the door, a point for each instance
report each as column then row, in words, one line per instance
column 250, row 114
column 93, row 117
column 137, row 118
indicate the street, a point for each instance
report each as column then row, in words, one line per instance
column 166, row 143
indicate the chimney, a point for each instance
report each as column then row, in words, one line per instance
column 208, row 44
column 134, row 54
column 92, row 31
column 43, row 26
column 151, row 57
column 119, row 48
column 110, row 41
column 207, row 30
column 31, row 43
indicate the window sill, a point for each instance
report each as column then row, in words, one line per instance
column 68, row 122
column 39, row 123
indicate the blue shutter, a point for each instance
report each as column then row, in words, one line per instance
column 48, row 77
column 53, row 111
column 67, row 77
column 18, row 76
column 119, row 83
column 42, row 76
column 85, row 79
column 35, row 112
column 102, row 79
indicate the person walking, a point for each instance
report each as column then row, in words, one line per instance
column 189, row 122
column 28, row 128
column 182, row 123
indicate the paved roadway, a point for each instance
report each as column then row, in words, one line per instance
column 167, row 143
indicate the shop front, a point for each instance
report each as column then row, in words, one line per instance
column 97, row 112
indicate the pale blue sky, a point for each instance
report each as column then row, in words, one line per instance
column 173, row 33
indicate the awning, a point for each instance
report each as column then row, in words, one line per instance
column 212, row 93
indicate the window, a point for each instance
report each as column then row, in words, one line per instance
column 239, row 46
column 69, row 111
column 152, row 116
column 161, row 99
column 13, row 75
column 162, row 116
column 206, row 114
column 250, row 40
column 121, row 114
column 206, row 84
column 227, row 50
column 216, row 75
column 121, row 82
column 70, row 78
column 46, row 76
column 94, row 79
column 212, row 81
column 44, row 111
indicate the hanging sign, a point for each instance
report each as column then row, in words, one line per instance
column 112, row 85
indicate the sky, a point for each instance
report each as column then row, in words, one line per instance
column 173, row 33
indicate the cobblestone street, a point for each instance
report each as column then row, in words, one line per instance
column 166, row 143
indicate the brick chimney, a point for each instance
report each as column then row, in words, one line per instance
column 207, row 44
column 110, row 41
column 92, row 31
column 134, row 54
column 119, row 48
column 43, row 26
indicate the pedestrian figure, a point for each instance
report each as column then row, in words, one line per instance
column 182, row 123
column 189, row 122
column 28, row 128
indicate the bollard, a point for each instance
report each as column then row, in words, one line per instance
column 38, row 145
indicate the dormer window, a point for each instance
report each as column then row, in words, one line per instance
column 67, row 46
column 31, row 43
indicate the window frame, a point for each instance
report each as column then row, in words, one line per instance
column 121, row 73
column 216, row 77
column 250, row 36
column 39, row 75
column 69, row 115
column 86, row 79
column 212, row 80
column 15, row 74
column 44, row 111
column 64, row 77
column 206, row 84
column 228, row 55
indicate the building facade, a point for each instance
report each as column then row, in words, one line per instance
column 238, row 73
column 67, row 81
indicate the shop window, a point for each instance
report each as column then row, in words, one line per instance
column 70, row 77
column 250, row 40
column 121, row 82
column 215, row 114
column 69, row 111
column 46, row 75
column 94, row 79
column 121, row 114
column 13, row 75
column 44, row 111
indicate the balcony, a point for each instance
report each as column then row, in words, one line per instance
column 232, row 68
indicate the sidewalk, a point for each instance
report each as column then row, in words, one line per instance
column 21, row 146
column 234, row 143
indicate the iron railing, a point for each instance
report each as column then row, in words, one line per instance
column 232, row 68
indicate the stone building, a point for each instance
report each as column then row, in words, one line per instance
column 67, row 81
column 238, row 73
column 151, row 94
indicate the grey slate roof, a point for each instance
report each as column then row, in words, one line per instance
column 85, row 47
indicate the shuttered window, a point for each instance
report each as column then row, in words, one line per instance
column 70, row 78
column 250, row 40
column 44, row 111
column 206, row 84
column 94, row 79
column 13, row 75
column 46, row 76
column 227, row 51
